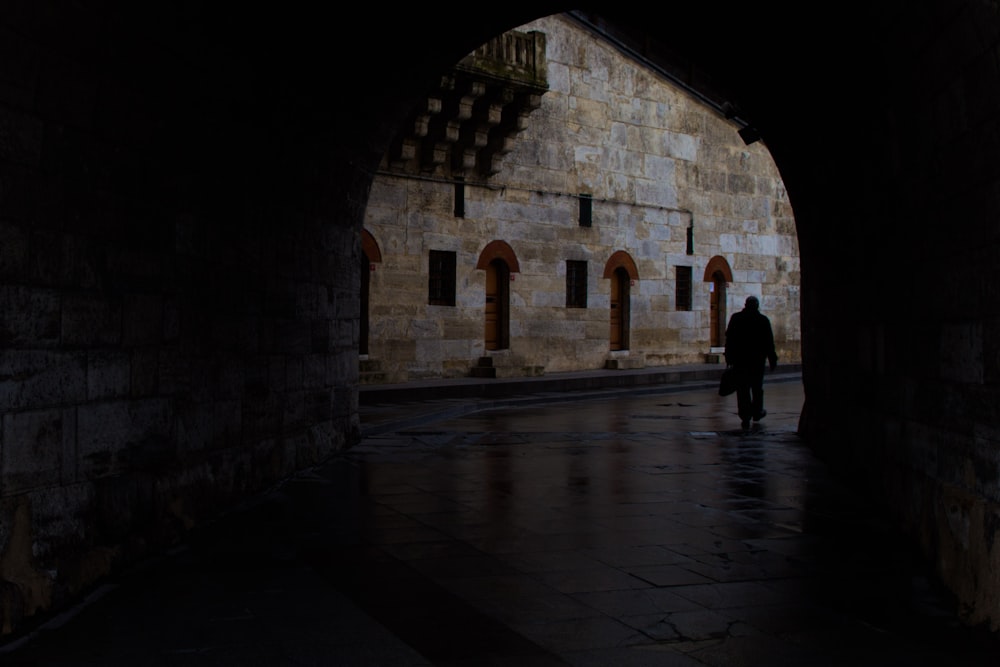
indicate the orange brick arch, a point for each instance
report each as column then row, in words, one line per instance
column 624, row 260
column 718, row 264
column 498, row 250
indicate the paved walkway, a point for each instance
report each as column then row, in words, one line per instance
column 609, row 526
column 388, row 407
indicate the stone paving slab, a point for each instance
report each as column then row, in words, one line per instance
column 624, row 529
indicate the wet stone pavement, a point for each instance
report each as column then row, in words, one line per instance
column 631, row 529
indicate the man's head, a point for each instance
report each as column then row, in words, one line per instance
column 752, row 303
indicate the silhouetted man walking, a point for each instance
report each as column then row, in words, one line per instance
column 749, row 343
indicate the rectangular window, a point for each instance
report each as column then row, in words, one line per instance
column 690, row 239
column 576, row 284
column 683, row 298
column 441, row 281
column 459, row 198
column 586, row 210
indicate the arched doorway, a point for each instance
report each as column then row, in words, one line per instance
column 718, row 275
column 620, row 269
column 497, row 325
column 370, row 255
column 717, row 289
column 500, row 263
column 620, row 301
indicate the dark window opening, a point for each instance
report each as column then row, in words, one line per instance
column 576, row 283
column 441, row 281
column 586, row 210
column 683, row 296
column 460, row 198
column 690, row 243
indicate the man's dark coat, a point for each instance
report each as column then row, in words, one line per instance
column 749, row 343
column 750, row 340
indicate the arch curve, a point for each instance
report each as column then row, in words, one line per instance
column 369, row 246
column 620, row 258
column 497, row 249
column 718, row 264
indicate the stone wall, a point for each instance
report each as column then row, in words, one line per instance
column 655, row 160
column 173, row 337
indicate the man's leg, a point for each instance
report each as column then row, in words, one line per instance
column 744, row 399
column 757, row 395
column 758, row 405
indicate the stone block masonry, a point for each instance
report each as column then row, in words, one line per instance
column 659, row 167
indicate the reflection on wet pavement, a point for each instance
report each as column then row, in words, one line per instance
column 637, row 529
column 644, row 530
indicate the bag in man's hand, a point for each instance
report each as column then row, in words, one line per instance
column 727, row 384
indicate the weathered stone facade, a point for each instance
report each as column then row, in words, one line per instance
column 670, row 183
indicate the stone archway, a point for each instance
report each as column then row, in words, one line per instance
column 165, row 234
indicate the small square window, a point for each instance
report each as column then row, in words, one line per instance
column 586, row 210
column 683, row 297
column 441, row 280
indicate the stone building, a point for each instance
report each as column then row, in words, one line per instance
column 557, row 205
